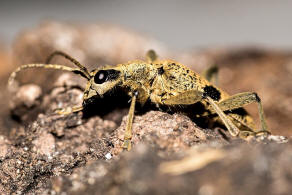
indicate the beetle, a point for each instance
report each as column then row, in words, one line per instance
column 164, row 83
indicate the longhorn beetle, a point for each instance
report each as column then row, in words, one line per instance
column 164, row 83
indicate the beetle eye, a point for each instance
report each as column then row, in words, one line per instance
column 100, row 77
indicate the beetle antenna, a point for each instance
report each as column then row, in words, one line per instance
column 48, row 66
column 71, row 59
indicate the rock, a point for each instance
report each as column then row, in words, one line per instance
column 27, row 95
column 168, row 132
column 44, row 144
column 5, row 147
column 25, row 104
column 233, row 169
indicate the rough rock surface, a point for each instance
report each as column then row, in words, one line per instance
column 240, row 169
column 45, row 153
column 56, row 145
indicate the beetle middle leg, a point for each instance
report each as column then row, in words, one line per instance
column 151, row 56
column 193, row 96
column 211, row 74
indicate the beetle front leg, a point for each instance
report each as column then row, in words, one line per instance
column 69, row 110
column 128, row 132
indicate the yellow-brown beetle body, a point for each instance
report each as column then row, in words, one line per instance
column 164, row 83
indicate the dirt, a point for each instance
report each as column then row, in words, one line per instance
column 45, row 153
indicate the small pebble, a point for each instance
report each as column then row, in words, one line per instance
column 108, row 156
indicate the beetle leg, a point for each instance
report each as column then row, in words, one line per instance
column 233, row 130
column 151, row 56
column 242, row 99
column 128, row 131
column 69, row 110
column 193, row 96
column 211, row 74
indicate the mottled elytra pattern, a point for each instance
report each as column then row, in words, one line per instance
column 177, row 77
column 164, row 83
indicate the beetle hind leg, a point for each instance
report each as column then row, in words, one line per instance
column 243, row 99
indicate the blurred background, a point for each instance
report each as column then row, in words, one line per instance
column 180, row 24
